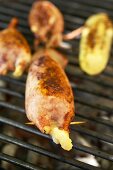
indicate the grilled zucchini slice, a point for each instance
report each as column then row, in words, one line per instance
column 95, row 45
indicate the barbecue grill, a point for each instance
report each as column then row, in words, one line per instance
column 93, row 100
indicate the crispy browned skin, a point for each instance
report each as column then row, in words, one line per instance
column 48, row 82
column 14, row 51
column 46, row 22
column 59, row 57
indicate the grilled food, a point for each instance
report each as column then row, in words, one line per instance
column 54, row 54
column 95, row 44
column 46, row 22
column 15, row 52
column 58, row 57
column 49, row 100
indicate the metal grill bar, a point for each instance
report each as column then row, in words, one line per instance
column 7, row 19
column 15, row 94
column 12, row 107
column 74, row 60
column 89, row 91
column 70, row 70
column 96, row 120
column 12, row 93
column 4, row 17
column 22, row 127
column 17, row 6
column 93, row 134
column 99, row 107
column 12, row 80
column 74, row 7
column 104, row 5
column 75, row 88
column 93, row 151
column 12, row 11
column 107, row 123
column 74, row 18
column 105, row 108
column 105, row 73
column 46, row 153
column 70, row 17
column 18, row 162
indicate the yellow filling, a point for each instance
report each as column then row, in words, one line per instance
column 60, row 137
column 18, row 71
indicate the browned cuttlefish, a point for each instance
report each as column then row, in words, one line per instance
column 47, row 23
column 59, row 57
column 49, row 99
column 15, row 54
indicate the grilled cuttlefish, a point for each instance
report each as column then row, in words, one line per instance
column 47, row 23
column 15, row 54
column 95, row 44
column 49, row 99
column 59, row 57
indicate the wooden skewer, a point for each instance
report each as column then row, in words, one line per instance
column 73, row 34
column 72, row 123
column 29, row 123
column 76, row 123
column 65, row 45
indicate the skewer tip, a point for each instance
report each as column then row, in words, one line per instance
column 75, row 33
column 29, row 123
column 77, row 123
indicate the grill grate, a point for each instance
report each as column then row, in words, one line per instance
column 92, row 94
